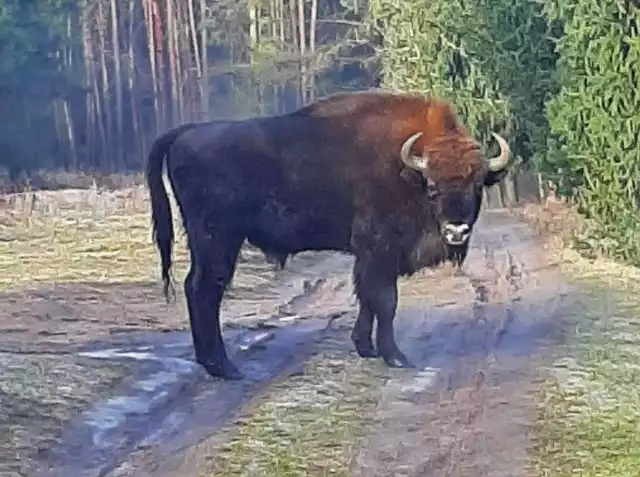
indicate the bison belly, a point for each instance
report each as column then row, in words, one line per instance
column 286, row 229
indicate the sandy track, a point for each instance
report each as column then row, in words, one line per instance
column 477, row 338
column 468, row 412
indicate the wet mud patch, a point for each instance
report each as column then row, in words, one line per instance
column 170, row 403
column 39, row 395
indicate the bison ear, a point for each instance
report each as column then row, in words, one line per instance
column 494, row 177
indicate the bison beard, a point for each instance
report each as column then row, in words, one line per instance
column 394, row 180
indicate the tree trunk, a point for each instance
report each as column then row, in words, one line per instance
column 280, row 14
column 138, row 140
column 96, row 96
column 174, row 103
column 196, row 96
column 510, row 191
column 160, row 72
column 302, row 51
column 106, row 97
column 312, row 48
column 204, row 77
column 147, row 4
column 493, row 198
column 181, row 36
column 194, row 37
column 89, row 68
column 254, row 39
column 295, row 39
column 115, row 43
column 68, row 122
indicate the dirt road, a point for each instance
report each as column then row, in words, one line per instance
column 477, row 338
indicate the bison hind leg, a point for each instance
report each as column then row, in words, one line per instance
column 213, row 259
column 361, row 334
column 277, row 259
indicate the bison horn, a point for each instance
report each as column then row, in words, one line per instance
column 496, row 164
column 419, row 163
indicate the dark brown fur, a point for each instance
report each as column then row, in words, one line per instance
column 325, row 177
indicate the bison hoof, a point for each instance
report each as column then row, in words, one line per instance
column 397, row 359
column 225, row 369
column 365, row 351
column 364, row 347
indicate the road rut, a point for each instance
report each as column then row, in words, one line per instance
column 479, row 342
column 477, row 337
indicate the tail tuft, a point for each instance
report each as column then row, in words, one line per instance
column 161, row 217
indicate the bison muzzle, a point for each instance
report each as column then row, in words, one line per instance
column 393, row 179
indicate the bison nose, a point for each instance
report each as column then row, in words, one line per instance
column 456, row 233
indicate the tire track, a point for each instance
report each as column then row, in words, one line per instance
column 467, row 412
column 477, row 339
column 166, row 406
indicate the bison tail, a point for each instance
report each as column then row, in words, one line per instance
column 161, row 217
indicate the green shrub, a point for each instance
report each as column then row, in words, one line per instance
column 493, row 60
column 594, row 153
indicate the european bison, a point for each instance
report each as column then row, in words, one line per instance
column 393, row 179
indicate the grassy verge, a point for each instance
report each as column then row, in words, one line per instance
column 307, row 425
column 94, row 236
column 55, row 238
column 58, row 252
column 38, row 395
column 588, row 413
column 78, row 236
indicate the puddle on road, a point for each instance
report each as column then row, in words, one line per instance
column 423, row 380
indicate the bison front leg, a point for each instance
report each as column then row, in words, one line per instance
column 377, row 292
column 212, row 267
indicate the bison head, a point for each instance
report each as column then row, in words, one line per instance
column 454, row 176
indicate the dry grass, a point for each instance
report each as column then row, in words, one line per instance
column 78, row 236
column 48, row 240
column 87, row 235
column 38, row 395
column 556, row 223
column 589, row 412
column 588, row 407
column 59, row 180
column 77, row 263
